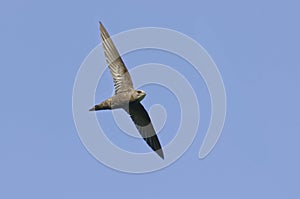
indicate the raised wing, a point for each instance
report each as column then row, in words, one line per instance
column 143, row 123
column 118, row 70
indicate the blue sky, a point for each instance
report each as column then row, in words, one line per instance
column 255, row 46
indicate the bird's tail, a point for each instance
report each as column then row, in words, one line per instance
column 102, row 106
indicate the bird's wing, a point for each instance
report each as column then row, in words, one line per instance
column 143, row 123
column 118, row 70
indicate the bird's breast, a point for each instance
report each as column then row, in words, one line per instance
column 121, row 100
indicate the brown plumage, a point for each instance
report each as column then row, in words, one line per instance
column 125, row 96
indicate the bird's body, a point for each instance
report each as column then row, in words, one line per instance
column 120, row 100
column 126, row 97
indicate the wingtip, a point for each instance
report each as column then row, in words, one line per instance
column 103, row 31
column 102, row 28
column 160, row 153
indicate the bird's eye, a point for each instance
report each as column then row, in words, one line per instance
column 139, row 92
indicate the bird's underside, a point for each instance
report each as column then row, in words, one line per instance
column 125, row 96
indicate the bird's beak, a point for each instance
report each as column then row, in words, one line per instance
column 142, row 97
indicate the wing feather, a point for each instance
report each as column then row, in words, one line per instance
column 118, row 70
column 143, row 123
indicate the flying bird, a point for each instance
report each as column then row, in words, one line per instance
column 126, row 97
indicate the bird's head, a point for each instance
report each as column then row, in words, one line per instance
column 139, row 95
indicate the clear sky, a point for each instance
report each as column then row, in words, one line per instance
column 255, row 45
